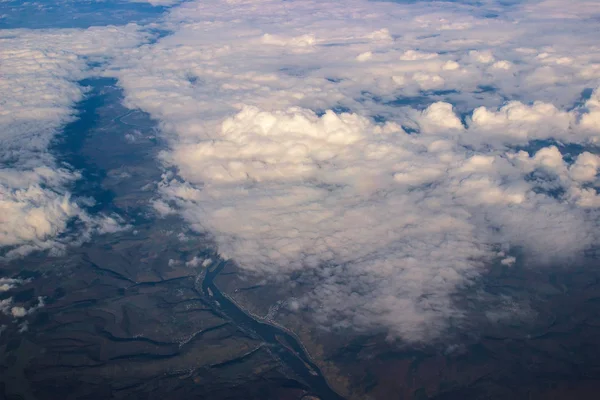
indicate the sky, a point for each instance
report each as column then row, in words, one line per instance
column 386, row 154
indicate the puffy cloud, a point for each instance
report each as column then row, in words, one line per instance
column 439, row 117
column 404, row 220
column 385, row 222
column 196, row 262
column 7, row 284
column 18, row 312
column 40, row 70
column 591, row 119
column 517, row 123
column 7, row 307
column 585, row 168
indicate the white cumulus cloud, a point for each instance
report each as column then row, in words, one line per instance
column 371, row 150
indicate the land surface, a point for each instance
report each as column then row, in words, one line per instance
column 132, row 315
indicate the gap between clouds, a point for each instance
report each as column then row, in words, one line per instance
column 40, row 71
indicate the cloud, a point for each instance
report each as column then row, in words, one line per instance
column 7, row 284
column 16, row 311
column 7, row 307
column 41, row 70
column 375, row 151
column 196, row 262
column 165, row 3
column 404, row 220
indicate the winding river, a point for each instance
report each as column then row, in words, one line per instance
column 284, row 345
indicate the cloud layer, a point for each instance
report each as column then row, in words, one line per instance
column 40, row 72
column 378, row 151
